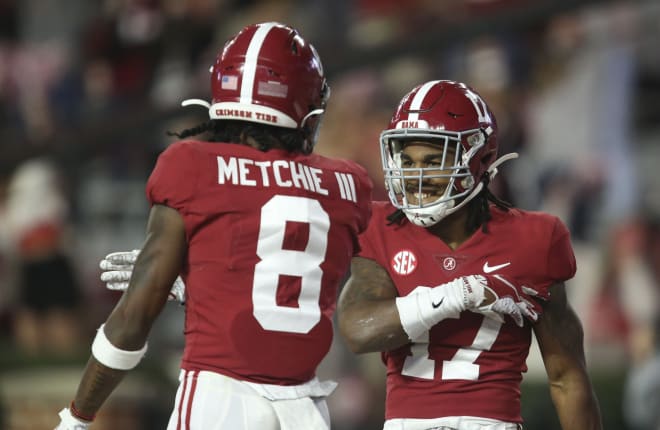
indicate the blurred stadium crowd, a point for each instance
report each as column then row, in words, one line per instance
column 89, row 88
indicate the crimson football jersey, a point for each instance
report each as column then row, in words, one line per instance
column 270, row 238
column 467, row 365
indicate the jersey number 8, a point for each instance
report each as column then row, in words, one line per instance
column 276, row 261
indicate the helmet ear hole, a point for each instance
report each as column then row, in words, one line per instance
column 467, row 182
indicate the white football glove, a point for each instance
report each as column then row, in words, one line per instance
column 510, row 299
column 117, row 268
column 424, row 307
column 69, row 422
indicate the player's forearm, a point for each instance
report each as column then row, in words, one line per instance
column 372, row 326
column 576, row 405
column 119, row 346
column 95, row 387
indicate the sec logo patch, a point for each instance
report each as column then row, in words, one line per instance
column 404, row 262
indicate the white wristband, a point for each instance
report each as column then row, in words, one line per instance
column 411, row 321
column 424, row 307
column 69, row 422
column 111, row 356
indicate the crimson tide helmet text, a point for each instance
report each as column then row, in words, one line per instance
column 269, row 74
column 454, row 117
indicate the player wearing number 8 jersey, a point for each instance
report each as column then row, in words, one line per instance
column 264, row 262
column 262, row 232
column 452, row 364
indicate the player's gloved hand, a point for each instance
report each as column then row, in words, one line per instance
column 503, row 297
column 424, row 307
column 491, row 295
column 117, row 268
column 70, row 422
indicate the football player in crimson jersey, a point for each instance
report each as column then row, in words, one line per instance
column 452, row 368
column 262, row 232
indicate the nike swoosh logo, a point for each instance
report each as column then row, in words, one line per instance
column 489, row 269
column 437, row 305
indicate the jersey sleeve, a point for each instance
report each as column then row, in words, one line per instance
column 173, row 179
column 561, row 264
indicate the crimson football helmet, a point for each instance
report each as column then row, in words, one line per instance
column 269, row 74
column 454, row 117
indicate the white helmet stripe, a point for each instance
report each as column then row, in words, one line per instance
column 251, row 56
column 419, row 99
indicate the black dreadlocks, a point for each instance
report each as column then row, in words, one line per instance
column 233, row 131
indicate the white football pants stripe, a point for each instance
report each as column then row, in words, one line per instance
column 210, row 401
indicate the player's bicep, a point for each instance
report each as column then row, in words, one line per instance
column 155, row 270
column 368, row 282
column 162, row 255
column 560, row 336
column 367, row 314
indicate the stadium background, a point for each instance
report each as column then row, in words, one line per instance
column 88, row 89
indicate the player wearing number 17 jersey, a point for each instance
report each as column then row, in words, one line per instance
column 262, row 232
column 451, row 362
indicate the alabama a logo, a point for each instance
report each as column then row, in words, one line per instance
column 449, row 263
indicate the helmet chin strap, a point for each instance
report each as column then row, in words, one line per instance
column 311, row 114
column 418, row 217
column 310, row 140
column 198, row 102
column 492, row 169
column 422, row 219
